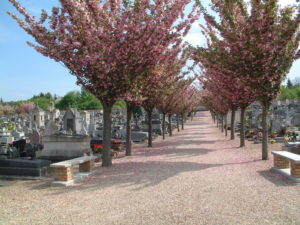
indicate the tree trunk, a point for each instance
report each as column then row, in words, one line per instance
column 226, row 127
column 192, row 116
column 149, row 113
column 128, row 129
column 222, row 123
column 106, row 155
column 164, row 126
column 170, row 124
column 265, row 108
column 217, row 121
column 232, row 128
column 177, row 120
column 242, row 129
column 182, row 121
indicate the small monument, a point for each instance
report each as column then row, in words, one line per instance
column 70, row 142
column 72, row 121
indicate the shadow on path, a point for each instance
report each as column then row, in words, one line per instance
column 140, row 175
column 276, row 178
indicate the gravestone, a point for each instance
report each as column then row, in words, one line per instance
column 5, row 136
column 139, row 136
column 18, row 134
column 83, row 130
column 295, row 120
column 51, row 128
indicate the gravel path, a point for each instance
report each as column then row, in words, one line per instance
column 195, row 177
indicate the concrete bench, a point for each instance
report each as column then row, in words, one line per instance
column 288, row 164
column 63, row 171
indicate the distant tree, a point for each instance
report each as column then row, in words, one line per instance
column 25, row 107
column 82, row 100
column 189, row 100
column 19, row 110
column 217, row 105
column 296, row 81
column 289, row 83
column 289, row 93
column 87, row 101
column 70, row 100
column 121, row 104
column 168, row 103
column 6, row 110
column 48, row 95
column 28, row 107
column 42, row 102
column 137, row 113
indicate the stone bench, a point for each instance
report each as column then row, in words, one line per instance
column 288, row 164
column 63, row 171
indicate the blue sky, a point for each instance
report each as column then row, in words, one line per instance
column 24, row 72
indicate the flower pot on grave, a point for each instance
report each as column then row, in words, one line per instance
column 116, row 145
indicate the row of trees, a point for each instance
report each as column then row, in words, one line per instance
column 117, row 50
column 249, row 52
column 25, row 107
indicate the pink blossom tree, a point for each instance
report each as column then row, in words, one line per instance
column 167, row 105
column 189, row 100
column 108, row 44
column 217, row 105
column 6, row 109
column 19, row 110
column 26, row 107
column 152, row 91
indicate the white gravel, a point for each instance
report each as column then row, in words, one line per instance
column 197, row 176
